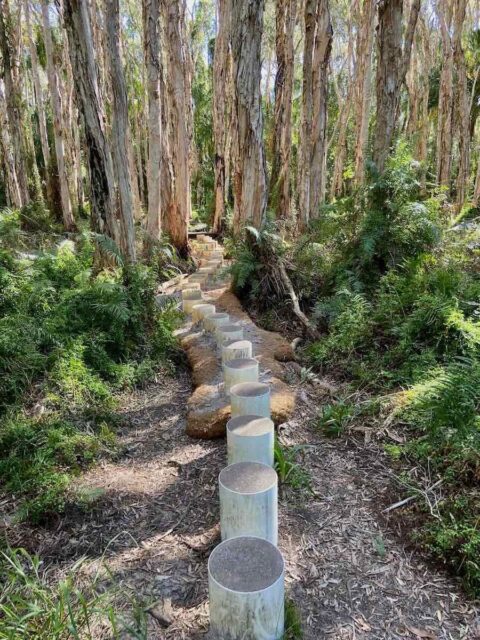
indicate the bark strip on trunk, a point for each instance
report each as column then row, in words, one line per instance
column 250, row 179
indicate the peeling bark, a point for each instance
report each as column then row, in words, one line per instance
column 56, row 102
column 250, row 180
column 222, row 81
column 120, row 135
column 282, row 135
column 318, row 44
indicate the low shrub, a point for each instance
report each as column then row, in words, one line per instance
column 70, row 336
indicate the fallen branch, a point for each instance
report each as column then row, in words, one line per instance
column 310, row 328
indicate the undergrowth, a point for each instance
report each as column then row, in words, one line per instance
column 71, row 337
column 393, row 283
column 33, row 607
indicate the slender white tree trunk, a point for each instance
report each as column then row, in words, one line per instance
column 153, row 63
column 56, row 102
column 250, row 179
column 179, row 98
column 222, row 79
column 120, row 136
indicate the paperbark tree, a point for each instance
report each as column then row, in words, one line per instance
column 393, row 61
column 418, row 124
column 102, row 184
column 317, row 49
column 364, row 86
column 42, row 121
column 120, row 131
column 462, row 105
column 177, row 214
column 445, row 101
column 151, row 30
column 56, row 102
column 286, row 13
column 250, row 179
column 13, row 100
column 222, row 80
column 14, row 197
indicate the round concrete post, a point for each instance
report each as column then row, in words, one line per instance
column 201, row 311
column 250, row 439
column 228, row 333
column 246, row 590
column 189, row 285
column 215, row 320
column 238, row 349
column 248, row 501
column 239, row 370
column 191, row 298
column 250, row 398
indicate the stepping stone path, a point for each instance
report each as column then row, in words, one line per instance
column 246, row 571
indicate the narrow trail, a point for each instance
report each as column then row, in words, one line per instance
column 157, row 522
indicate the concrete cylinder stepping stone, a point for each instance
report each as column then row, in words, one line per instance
column 239, row 370
column 189, row 285
column 250, row 439
column 201, row 311
column 201, row 279
column 191, row 298
column 238, row 349
column 215, row 320
column 191, row 293
column 246, row 578
column 250, row 398
column 248, row 501
column 228, row 333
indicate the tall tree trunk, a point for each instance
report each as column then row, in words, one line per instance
column 462, row 104
column 177, row 215
column 364, row 87
column 42, row 121
column 222, row 79
column 318, row 45
column 102, row 185
column 56, row 101
column 13, row 100
column 153, row 63
column 393, row 62
column 250, row 179
column 120, row 135
column 286, row 13
column 418, row 124
column 445, row 103
column 14, row 197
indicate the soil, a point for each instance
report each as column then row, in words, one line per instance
column 156, row 522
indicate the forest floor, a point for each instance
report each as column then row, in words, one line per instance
column 156, row 521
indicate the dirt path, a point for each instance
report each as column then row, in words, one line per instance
column 157, row 522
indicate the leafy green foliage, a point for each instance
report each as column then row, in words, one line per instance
column 288, row 469
column 69, row 337
column 293, row 621
column 396, row 290
column 335, row 418
column 30, row 607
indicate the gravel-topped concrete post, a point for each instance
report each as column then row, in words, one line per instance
column 248, row 501
column 250, row 398
column 250, row 439
column 239, row 370
column 238, row 349
column 201, row 311
column 215, row 320
column 201, row 278
column 190, row 285
column 190, row 298
column 246, row 578
column 228, row 333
